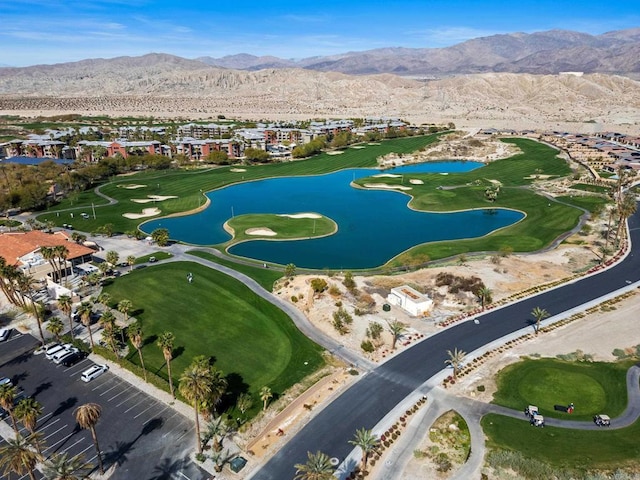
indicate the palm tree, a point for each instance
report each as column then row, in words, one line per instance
column 484, row 295
column 124, row 307
column 87, row 416
column 112, row 257
column 367, row 441
column 18, row 456
column 195, row 386
column 61, row 467
column 539, row 314
column 26, row 284
column 136, row 336
column 108, row 322
column 27, row 411
column 7, row 397
column 85, row 310
column 165, row 343
column 104, row 298
column 318, row 467
column 131, row 260
column 65, row 304
column 396, row 329
column 455, row 360
column 61, row 253
column 55, row 326
column 626, row 206
column 265, row 396
column 219, row 386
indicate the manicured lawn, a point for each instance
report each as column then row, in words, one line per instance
column 254, row 343
column 594, row 387
column 565, row 448
column 284, row 227
column 266, row 277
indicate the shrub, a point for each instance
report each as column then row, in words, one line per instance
column 334, row 291
column 319, row 285
column 367, row 346
column 294, row 299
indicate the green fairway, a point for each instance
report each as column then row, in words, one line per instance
column 594, row 387
column 564, row 448
column 254, row 343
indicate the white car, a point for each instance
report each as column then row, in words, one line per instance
column 64, row 353
column 93, row 372
column 4, row 334
column 53, row 349
column 6, row 381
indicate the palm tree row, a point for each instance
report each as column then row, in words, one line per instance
column 57, row 258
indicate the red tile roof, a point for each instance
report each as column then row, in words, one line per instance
column 14, row 245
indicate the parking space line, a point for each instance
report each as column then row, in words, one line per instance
column 63, row 439
column 77, row 365
column 61, row 428
column 100, row 385
column 148, row 408
column 133, row 395
column 44, row 427
column 118, row 394
column 183, row 475
column 109, row 389
column 73, row 445
column 131, row 408
column 157, row 415
column 43, row 417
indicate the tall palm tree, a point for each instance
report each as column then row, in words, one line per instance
column 484, row 295
column 47, row 254
column 27, row 411
column 65, row 304
column 131, row 260
column 219, row 386
column 265, row 396
column 318, row 467
column 104, row 298
column 136, row 336
column 626, row 206
column 26, row 284
column 61, row 253
column 7, row 399
column 396, row 329
column 85, row 310
column 18, row 456
column 195, row 386
column 63, row 467
column 87, row 416
column 539, row 314
column 124, row 307
column 367, row 441
column 108, row 322
column 165, row 343
column 55, row 326
column 456, row 357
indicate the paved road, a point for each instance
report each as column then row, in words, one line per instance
column 367, row 402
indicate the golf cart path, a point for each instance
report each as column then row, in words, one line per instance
column 440, row 402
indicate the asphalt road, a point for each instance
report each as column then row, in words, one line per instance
column 143, row 437
column 379, row 391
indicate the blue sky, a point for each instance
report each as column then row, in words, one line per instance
column 53, row 31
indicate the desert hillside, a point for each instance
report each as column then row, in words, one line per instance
column 173, row 87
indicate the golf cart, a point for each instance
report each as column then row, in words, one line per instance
column 537, row 420
column 602, row 420
column 530, row 411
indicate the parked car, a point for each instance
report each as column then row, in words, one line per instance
column 152, row 259
column 93, row 372
column 602, row 420
column 5, row 381
column 53, row 349
column 60, row 356
column 4, row 334
column 72, row 359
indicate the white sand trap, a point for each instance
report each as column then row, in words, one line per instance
column 132, row 186
column 263, row 232
column 301, row 215
column 373, row 143
column 142, row 200
column 416, row 181
column 153, row 198
column 335, row 152
column 147, row 212
column 387, row 186
column 388, row 175
column 237, row 169
column 358, row 147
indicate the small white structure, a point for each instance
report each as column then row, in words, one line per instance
column 410, row 300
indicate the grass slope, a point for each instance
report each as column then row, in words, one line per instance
column 254, row 343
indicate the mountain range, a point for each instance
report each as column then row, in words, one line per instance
column 547, row 52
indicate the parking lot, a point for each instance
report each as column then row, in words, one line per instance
column 143, row 437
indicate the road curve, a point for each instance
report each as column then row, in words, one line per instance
column 369, row 400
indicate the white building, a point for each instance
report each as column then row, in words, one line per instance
column 410, row 300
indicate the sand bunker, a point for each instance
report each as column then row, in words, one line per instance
column 262, row 231
column 131, row 186
column 147, row 212
column 388, row 175
column 386, row 186
column 301, row 215
column 153, row 198
column 416, row 181
column 373, row 143
column 237, row 169
column 335, row 152
column 358, row 147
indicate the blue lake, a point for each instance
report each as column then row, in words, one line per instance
column 373, row 225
